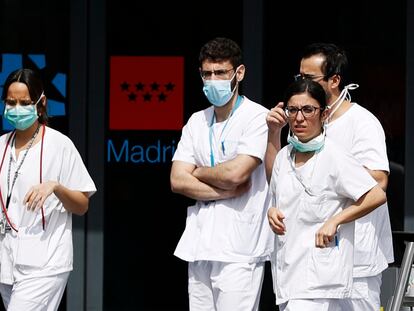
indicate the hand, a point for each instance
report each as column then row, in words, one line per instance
column 326, row 233
column 243, row 188
column 276, row 118
column 235, row 192
column 37, row 195
column 275, row 217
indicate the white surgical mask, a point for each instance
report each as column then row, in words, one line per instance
column 344, row 95
column 315, row 144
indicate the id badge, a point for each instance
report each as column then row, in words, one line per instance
column 2, row 227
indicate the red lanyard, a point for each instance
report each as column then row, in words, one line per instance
column 3, row 206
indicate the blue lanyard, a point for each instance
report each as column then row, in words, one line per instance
column 213, row 120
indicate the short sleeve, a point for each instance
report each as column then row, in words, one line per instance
column 254, row 139
column 185, row 148
column 74, row 174
column 353, row 180
column 369, row 147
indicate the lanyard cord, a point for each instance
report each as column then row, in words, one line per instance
column 307, row 188
column 3, row 206
column 213, row 120
column 16, row 173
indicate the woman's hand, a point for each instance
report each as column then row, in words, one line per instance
column 276, row 217
column 37, row 195
column 276, row 118
column 326, row 233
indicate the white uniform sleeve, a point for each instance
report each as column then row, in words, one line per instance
column 369, row 146
column 73, row 174
column 185, row 148
column 254, row 139
column 353, row 180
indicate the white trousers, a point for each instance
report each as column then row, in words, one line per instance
column 365, row 297
column 366, row 293
column 35, row 294
column 221, row 286
column 315, row 305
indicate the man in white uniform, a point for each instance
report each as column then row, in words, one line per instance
column 218, row 162
column 358, row 131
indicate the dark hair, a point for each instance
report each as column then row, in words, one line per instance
column 220, row 50
column 335, row 63
column 314, row 89
column 35, row 85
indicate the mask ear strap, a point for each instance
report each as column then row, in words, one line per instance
column 344, row 95
column 40, row 98
column 290, row 134
column 39, row 101
column 237, row 82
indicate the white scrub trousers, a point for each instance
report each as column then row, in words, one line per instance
column 35, row 294
column 221, row 286
column 368, row 290
column 315, row 305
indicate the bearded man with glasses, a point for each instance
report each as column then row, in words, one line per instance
column 219, row 163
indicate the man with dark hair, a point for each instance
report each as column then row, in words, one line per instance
column 359, row 132
column 219, row 163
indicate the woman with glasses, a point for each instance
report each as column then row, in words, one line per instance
column 43, row 181
column 318, row 190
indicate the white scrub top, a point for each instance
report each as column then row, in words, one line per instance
column 32, row 251
column 231, row 230
column 334, row 179
column 360, row 132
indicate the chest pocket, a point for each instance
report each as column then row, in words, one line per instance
column 228, row 149
column 314, row 209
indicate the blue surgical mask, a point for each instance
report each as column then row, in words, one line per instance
column 314, row 144
column 218, row 92
column 21, row 117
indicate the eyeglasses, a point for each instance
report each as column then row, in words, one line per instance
column 301, row 76
column 14, row 102
column 220, row 73
column 308, row 111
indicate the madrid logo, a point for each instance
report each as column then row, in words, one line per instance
column 146, row 93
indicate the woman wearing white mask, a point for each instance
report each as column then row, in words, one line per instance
column 219, row 163
column 318, row 190
column 42, row 182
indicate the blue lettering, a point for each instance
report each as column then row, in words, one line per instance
column 138, row 156
column 125, row 148
column 153, row 153
column 157, row 149
column 165, row 150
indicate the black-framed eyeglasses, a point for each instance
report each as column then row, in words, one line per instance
column 301, row 76
column 14, row 102
column 219, row 73
column 308, row 111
